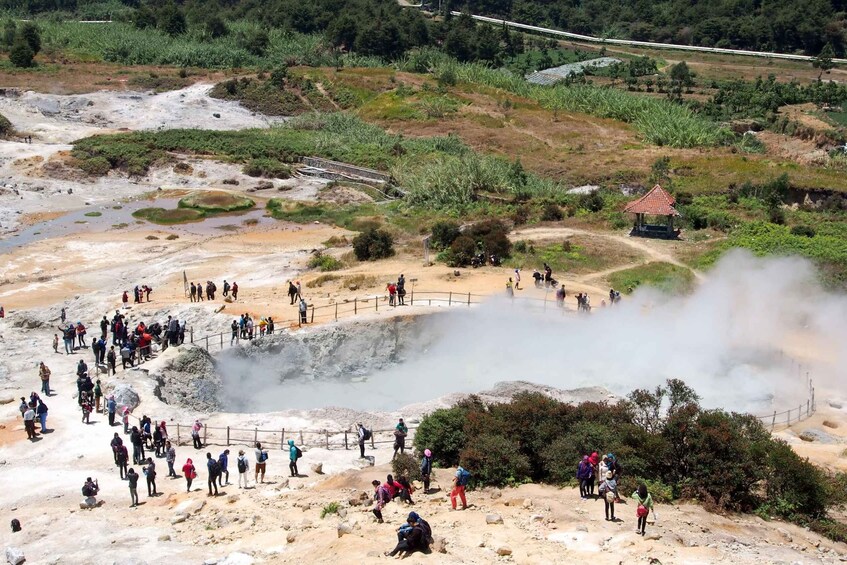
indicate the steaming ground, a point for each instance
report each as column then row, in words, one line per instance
column 734, row 340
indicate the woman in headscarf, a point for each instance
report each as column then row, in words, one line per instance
column 190, row 473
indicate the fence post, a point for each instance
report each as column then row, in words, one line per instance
column 205, row 435
column 355, row 306
column 177, row 433
column 255, row 436
column 808, row 406
column 345, row 440
column 773, row 422
column 376, row 303
column 336, row 311
column 450, row 298
column 412, row 299
column 207, row 343
column 372, row 440
column 227, row 436
column 327, row 439
column 222, row 340
column 282, row 439
column 191, row 334
column 789, row 417
column 313, row 314
column 469, row 299
column 301, row 438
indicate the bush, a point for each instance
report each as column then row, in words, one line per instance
column 331, row 508
column 593, row 201
column 493, row 460
column 29, row 33
column 444, row 233
column 324, row 262
column 442, row 432
column 491, row 236
column 462, row 250
column 21, row 54
column 521, row 215
column 806, row 231
column 6, row 127
column 776, row 215
column 405, row 465
column 551, row 213
column 373, row 244
column 96, row 166
column 268, row 168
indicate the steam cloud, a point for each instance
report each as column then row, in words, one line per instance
column 744, row 339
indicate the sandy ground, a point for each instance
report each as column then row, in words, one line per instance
column 60, row 257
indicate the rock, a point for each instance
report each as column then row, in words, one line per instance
column 164, row 537
column 7, row 400
column 342, row 512
column 232, row 498
column 317, row 468
column 125, row 395
column 496, row 494
column 536, row 518
column 826, row 423
column 504, row 551
column 264, row 185
column 291, row 537
column 129, row 561
column 179, row 518
column 344, row 528
column 581, row 528
column 366, row 461
column 439, row 544
column 527, row 503
column 216, row 115
column 88, row 503
column 15, row 556
column 653, row 536
column 835, row 404
column 282, row 484
column 237, row 558
column 192, row 506
column 493, row 519
column 354, row 502
column 222, row 521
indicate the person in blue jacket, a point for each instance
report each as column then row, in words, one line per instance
column 293, row 455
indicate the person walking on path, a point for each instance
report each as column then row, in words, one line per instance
column 426, row 469
column 234, row 290
column 63, row 316
column 294, row 454
column 584, row 472
column 460, row 481
column 199, row 292
column 303, row 307
column 381, row 498
column 29, row 422
column 243, row 467
column 44, row 374
column 80, row 334
column 112, row 408
column 170, row 458
column 214, row 472
column 190, row 473
column 132, row 479
column 261, row 461
column 150, row 472
column 363, row 434
column 292, row 292
column 112, row 359
column 223, row 462
column 193, row 292
column 645, row 505
column 517, row 279
column 41, row 412
column 98, row 395
column 400, row 433
column 609, row 491
column 195, row 434
column 122, row 459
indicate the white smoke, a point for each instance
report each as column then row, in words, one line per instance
column 744, row 340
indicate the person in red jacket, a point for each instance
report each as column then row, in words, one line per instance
column 234, row 290
column 397, row 490
column 392, row 294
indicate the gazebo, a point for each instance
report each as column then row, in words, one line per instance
column 658, row 202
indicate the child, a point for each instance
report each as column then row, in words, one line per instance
column 55, row 343
column 645, row 505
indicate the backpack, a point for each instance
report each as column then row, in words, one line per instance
column 87, row 490
column 263, row 456
column 641, row 511
column 297, row 453
column 242, row 466
column 366, row 434
column 214, row 468
column 427, row 531
column 464, row 477
column 382, row 495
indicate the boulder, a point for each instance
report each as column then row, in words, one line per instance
column 344, row 528
column 164, row 537
column 493, row 519
column 291, row 537
column 282, row 484
column 7, row 400
column 653, row 536
column 318, row 468
column 15, row 556
column 125, row 395
column 191, row 506
column 503, row 551
column 527, row 503
column 439, row 544
column 237, row 558
column 354, row 502
column 179, row 518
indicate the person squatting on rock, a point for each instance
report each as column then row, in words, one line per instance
column 414, row 535
column 398, row 490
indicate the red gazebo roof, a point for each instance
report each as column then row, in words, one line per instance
column 657, row 202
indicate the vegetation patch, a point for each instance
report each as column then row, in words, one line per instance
column 166, row 217
column 324, row 262
column 663, row 276
column 94, row 214
column 213, row 202
column 574, row 255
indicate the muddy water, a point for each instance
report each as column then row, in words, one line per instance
column 119, row 219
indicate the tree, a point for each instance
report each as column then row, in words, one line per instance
column 373, row 244
column 21, row 54
column 9, row 32
column 824, row 60
column 681, row 75
column 143, row 18
column 215, row 27
column 172, row 21
column 29, row 32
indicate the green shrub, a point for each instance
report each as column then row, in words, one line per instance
column 521, row 215
column 331, row 508
column 29, row 32
column 551, row 213
column 405, row 465
column 268, row 168
column 96, row 166
column 6, row 127
column 373, row 244
column 491, row 236
column 493, row 460
column 593, row 201
column 444, row 233
column 21, row 54
column 324, row 262
column 805, row 231
column 442, row 432
column 462, row 250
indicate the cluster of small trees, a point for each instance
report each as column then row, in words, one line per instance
column 489, row 237
column 22, row 43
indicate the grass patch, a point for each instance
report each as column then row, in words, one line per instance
column 216, row 202
column 664, row 276
column 322, row 280
column 356, row 282
column 168, row 217
column 157, row 83
column 93, row 214
column 331, row 508
column 575, row 255
column 172, row 237
column 324, row 262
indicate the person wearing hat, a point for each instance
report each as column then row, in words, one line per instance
column 412, row 536
column 426, row 469
column 609, row 491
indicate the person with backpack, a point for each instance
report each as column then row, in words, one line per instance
column 292, row 292
column 645, row 505
column 294, row 454
column 261, row 461
column 364, row 435
column 460, row 481
column 214, row 472
column 415, row 535
column 400, row 433
column 243, row 467
column 426, row 469
column 158, row 441
column 150, row 473
column 223, row 462
column 122, row 459
column 381, row 498
column 90, row 488
column 170, row 458
column 190, row 473
column 132, row 479
column 584, row 472
column 609, row 491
